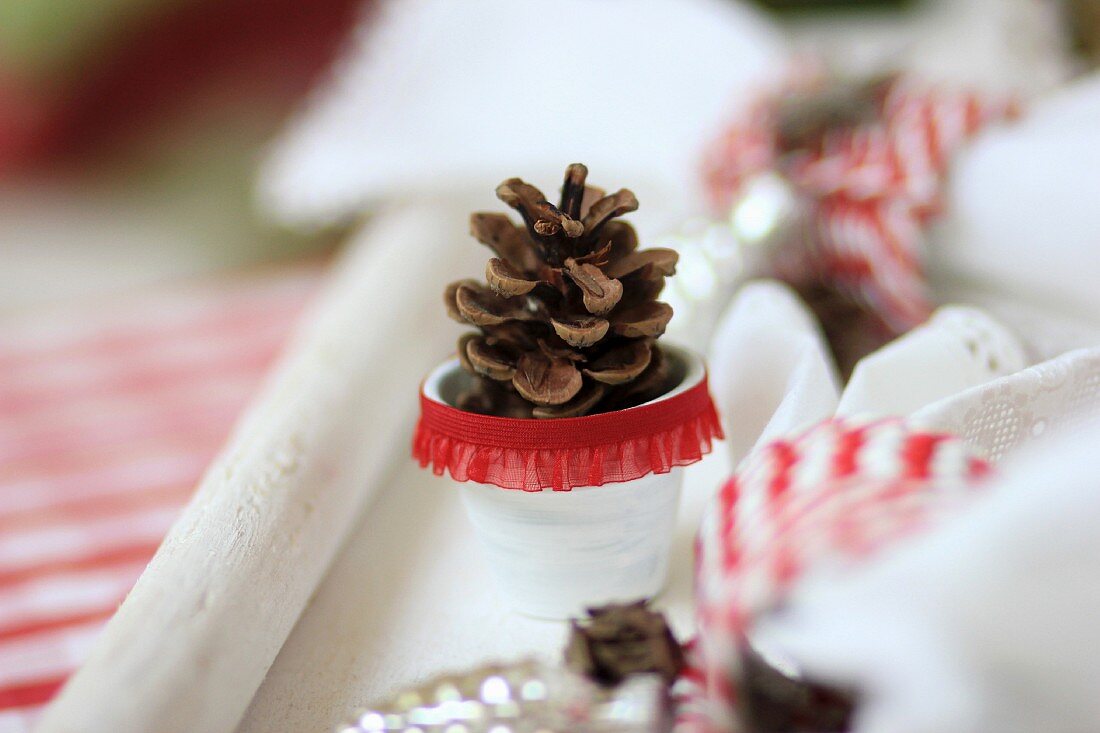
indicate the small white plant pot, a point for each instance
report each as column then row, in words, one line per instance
column 556, row 552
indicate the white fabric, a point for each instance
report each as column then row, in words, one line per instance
column 770, row 368
column 1044, row 332
column 1003, row 416
column 772, row 374
column 962, row 373
column 437, row 94
column 956, row 349
column 1002, row 635
column 1022, row 222
column 1035, row 266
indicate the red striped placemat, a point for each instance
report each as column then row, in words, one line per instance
column 109, row 413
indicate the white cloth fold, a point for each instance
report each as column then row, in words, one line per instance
column 958, row 348
column 770, row 368
column 986, row 625
column 772, row 372
column 1005, row 415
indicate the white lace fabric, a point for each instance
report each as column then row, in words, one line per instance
column 1004, row 415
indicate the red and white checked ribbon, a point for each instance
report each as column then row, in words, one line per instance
column 873, row 188
column 110, row 416
column 814, row 504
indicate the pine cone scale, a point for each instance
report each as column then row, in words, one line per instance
column 619, row 203
column 572, row 191
column 647, row 320
column 663, row 261
column 621, row 365
column 583, row 332
column 546, row 381
column 495, row 361
column 600, row 293
column 509, row 242
column 505, row 280
column 478, row 307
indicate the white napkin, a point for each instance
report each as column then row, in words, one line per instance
column 1005, row 415
column 956, row 349
column 435, row 95
column 770, row 370
column 1022, row 223
column 986, row 625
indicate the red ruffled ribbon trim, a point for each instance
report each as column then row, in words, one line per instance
column 561, row 454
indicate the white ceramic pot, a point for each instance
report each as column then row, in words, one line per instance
column 556, row 552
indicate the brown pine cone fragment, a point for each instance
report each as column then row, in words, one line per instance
column 568, row 315
column 774, row 701
column 619, row 640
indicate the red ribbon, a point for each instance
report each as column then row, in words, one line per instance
column 564, row 453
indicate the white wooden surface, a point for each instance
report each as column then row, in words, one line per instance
column 192, row 642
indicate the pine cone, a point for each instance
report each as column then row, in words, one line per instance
column 569, row 316
column 619, row 640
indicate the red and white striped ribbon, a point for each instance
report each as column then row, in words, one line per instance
column 110, row 416
column 874, row 188
column 816, row 503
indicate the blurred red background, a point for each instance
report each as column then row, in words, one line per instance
column 149, row 61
